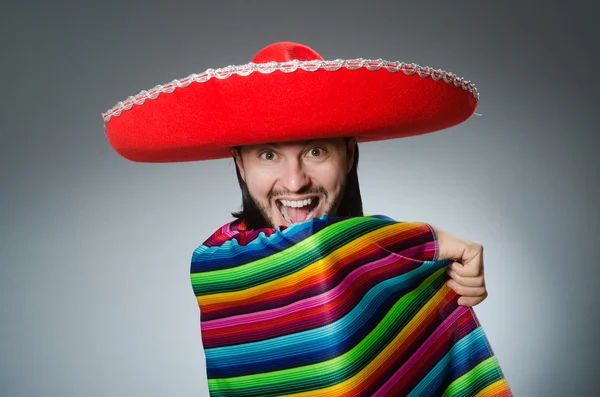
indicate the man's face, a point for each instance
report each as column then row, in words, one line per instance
column 293, row 182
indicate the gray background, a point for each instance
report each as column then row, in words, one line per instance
column 95, row 298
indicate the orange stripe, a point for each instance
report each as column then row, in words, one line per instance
column 359, row 382
column 336, row 308
column 497, row 389
column 314, row 273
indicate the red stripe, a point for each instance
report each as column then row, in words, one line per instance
column 315, row 284
column 320, row 282
column 311, row 317
column 464, row 324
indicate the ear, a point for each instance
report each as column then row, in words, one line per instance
column 237, row 155
column 350, row 150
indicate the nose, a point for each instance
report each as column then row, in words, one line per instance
column 294, row 175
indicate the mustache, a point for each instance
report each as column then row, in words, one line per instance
column 309, row 190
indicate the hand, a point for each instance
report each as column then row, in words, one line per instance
column 467, row 278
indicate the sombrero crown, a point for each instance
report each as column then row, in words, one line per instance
column 286, row 93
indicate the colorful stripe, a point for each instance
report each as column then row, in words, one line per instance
column 337, row 307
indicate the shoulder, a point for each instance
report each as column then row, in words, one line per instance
column 224, row 233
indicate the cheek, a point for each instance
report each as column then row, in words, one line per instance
column 331, row 176
column 259, row 184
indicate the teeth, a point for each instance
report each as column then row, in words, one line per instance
column 285, row 214
column 310, row 215
column 296, row 204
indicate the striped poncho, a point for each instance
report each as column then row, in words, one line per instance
column 337, row 307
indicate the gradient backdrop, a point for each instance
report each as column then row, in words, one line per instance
column 95, row 298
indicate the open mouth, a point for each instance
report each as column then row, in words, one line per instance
column 296, row 211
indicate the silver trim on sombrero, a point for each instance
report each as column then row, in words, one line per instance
column 289, row 67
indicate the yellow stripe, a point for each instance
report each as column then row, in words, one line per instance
column 492, row 390
column 411, row 328
column 318, row 267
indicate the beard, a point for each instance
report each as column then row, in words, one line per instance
column 330, row 208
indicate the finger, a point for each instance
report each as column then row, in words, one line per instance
column 473, row 269
column 466, row 291
column 470, row 302
column 478, row 281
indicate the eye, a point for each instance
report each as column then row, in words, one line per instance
column 267, row 155
column 316, row 152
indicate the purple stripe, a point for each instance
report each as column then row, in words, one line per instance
column 414, row 359
column 423, row 250
column 312, row 302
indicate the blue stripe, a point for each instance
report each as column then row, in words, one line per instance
column 466, row 353
column 276, row 270
column 231, row 253
column 315, row 345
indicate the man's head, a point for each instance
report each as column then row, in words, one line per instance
column 291, row 182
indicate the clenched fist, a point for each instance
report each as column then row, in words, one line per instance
column 466, row 273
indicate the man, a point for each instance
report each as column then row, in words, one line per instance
column 302, row 294
column 292, row 182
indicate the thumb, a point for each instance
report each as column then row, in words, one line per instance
column 455, row 247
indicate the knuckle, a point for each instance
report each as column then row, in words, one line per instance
column 465, row 302
column 457, row 277
column 478, row 246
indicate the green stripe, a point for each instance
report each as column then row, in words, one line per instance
column 482, row 375
column 337, row 369
column 285, row 262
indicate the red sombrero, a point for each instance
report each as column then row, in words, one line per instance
column 288, row 92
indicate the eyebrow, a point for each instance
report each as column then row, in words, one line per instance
column 305, row 143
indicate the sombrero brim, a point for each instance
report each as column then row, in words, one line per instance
column 203, row 116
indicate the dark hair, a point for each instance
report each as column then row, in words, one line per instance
column 350, row 204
